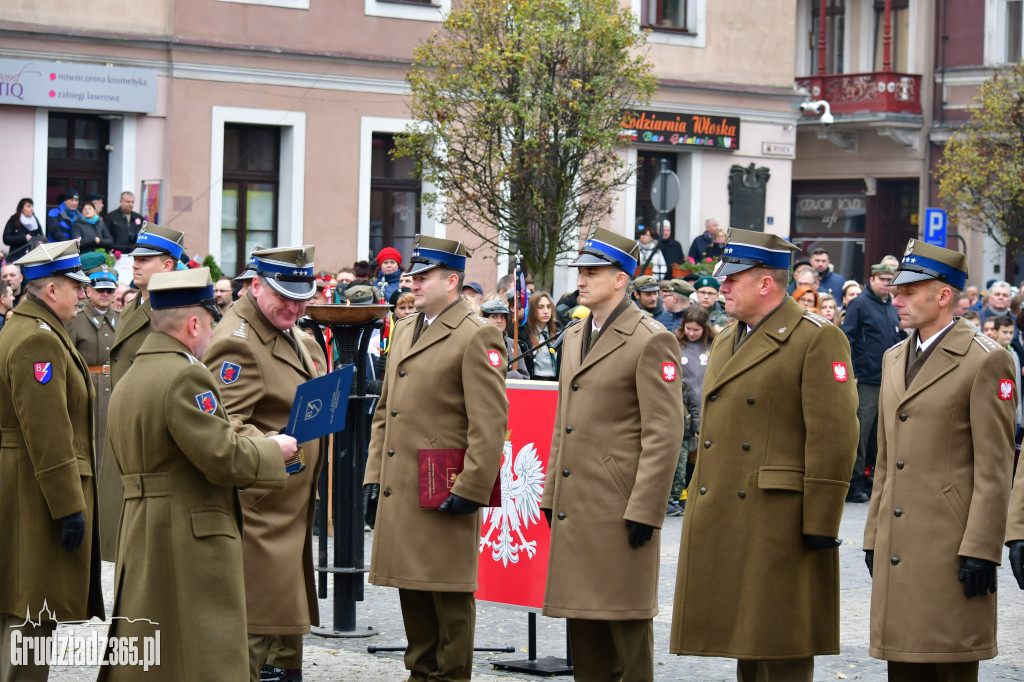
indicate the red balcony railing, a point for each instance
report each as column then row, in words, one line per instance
column 880, row 91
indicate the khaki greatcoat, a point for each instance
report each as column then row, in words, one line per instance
column 280, row 588
column 132, row 330
column 945, row 455
column 93, row 333
column 778, row 438
column 614, row 450
column 179, row 546
column 46, row 470
column 440, row 392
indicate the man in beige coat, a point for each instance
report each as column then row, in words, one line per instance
column 444, row 387
column 258, row 360
column 48, row 549
column 158, row 249
column 758, row 573
column 613, row 454
column 936, row 522
column 179, row 546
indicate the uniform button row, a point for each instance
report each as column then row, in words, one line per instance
column 900, row 464
column 897, row 512
column 903, row 416
column 561, row 516
column 568, row 429
column 401, row 372
column 565, row 473
column 387, row 492
column 391, row 453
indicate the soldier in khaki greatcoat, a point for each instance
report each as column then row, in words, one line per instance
column 758, row 576
column 158, row 249
column 613, row 454
column 179, row 546
column 48, row 551
column 92, row 331
column 936, row 522
column 259, row 360
column 444, row 387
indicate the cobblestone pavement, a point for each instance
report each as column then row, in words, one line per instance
column 347, row 659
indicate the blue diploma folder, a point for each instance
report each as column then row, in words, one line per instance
column 320, row 405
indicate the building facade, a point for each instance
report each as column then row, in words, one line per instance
column 268, row 122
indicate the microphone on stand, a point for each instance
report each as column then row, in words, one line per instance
column 578, row 314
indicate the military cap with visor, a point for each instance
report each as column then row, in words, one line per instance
column 646, row 283
column 604, row 247
column 434, row 252
column 495, row 307
column 923, row 261
column 681, row 287
column 360, row 294
column 102, row 278
column 157, row 240
column 183, row 289
column 288, row 271
column 250, row 269
column 51, row 260
column 747, row 249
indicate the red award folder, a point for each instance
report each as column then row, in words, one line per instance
column 439, row 470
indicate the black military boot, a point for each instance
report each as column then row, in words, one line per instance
column 269, row 673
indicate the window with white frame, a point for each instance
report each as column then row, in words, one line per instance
column 416, row 10
column 1014, row 30
column 667, row 15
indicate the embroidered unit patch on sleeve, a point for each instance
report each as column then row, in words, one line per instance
column 668, row 371
column 229, row 372
column 1006, row 389
column 494, row 357
column 839, row 371
column 207, row 403
column 43, row 372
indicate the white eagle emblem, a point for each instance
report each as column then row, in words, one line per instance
column 522, row 483
column 1005, row 389
column 839, row 371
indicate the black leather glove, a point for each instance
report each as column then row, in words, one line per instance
column 458, row 505
column 72, row 530
column 820, row 542
column 977, row 575
column 547, row 516
column 869, row 560
column 371, row 493
column 639, row 533
column 1017, row 561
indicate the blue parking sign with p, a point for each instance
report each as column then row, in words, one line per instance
column 935, row 220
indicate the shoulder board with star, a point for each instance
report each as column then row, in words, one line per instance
column 815, row 318
column 243, row 330
column 988, row 344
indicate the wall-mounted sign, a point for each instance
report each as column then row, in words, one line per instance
column 787, row 149
column 681, row 130
column 61, row 85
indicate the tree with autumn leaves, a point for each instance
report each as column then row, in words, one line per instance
column 516, row 106
column 981, row 172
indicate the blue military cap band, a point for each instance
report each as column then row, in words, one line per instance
column 615, row 255
column 437, row 257
column 934, row 269
column 285, row 270
column 180, row 298
column 155, row 241
column 61, row 266
column 756, row 255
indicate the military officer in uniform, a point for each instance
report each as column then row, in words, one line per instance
column 47, row 491
column 92, row 331
column 444, row 387
column 758, row 576
column 157, row 249
column 179, row 546
column 610, row 471
column 937, row 516
column 259, row 360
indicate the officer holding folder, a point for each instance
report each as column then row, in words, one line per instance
column 444, row 388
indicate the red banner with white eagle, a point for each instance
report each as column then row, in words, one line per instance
column 514, row 537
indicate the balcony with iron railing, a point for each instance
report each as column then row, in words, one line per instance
column 886, row 92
